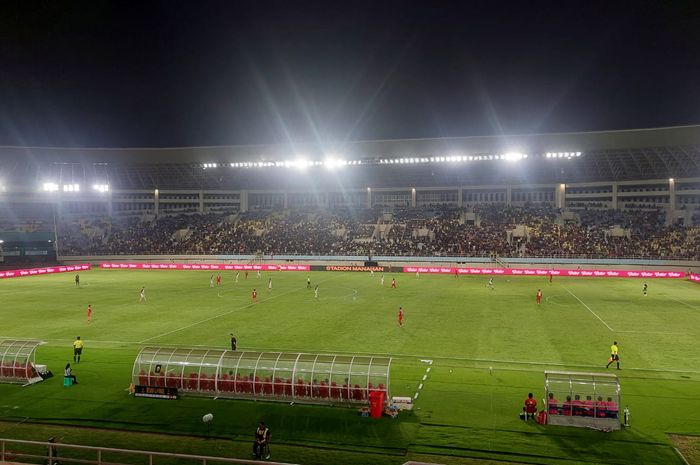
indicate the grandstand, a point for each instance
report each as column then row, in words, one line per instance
column 515, row 196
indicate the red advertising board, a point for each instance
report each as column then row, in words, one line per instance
column 42, row 271
column 202, row 266
column 694, row 277
column 544, row 272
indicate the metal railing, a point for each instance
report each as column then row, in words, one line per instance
column 54, row 452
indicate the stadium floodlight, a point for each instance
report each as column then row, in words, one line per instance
column 1, row 241
column 514, row 156
column 101, row 187
column 332, row 163
column 50, row 187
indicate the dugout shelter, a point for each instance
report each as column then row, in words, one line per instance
column 17, row 361
column 275, row 376
column 587, row 400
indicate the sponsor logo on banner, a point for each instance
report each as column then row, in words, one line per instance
column 42, row 271
column 694, row 277
column 202, row 266
column 545, row 272
column 351, row 268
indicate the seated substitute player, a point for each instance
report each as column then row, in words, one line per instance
column 614, row 355
column 530, row 406
column 553, row 404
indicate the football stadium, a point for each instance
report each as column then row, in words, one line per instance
column 487, row 300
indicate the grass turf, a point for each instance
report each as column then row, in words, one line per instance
column 464, row 409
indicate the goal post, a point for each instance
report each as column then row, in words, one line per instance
column 585, row 400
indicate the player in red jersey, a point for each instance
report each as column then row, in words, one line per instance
column 539, row 296
column 400, row 316
column 530, row 406
column 393, row 283
column 218, row 280
column 89, row 313
column 550, row 277
column 254, row 296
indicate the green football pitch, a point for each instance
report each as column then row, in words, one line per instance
column 489, row 348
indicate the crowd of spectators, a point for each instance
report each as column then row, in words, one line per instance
column 481, row 230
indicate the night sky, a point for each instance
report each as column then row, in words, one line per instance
column 173, row 73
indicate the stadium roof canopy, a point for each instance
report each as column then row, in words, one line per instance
column 602, row 156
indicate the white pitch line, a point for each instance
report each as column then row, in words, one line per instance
column 652, row 332
column 222, row 314
column 685, row 303
column 589, row 309
column 399, row 356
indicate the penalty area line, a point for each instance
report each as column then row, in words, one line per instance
column 589, row 309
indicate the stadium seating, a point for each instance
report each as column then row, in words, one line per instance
column 424, row 231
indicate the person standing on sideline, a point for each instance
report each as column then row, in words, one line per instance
column 77, row 349
column 89, row 313
column 614, row 356
column 538, row 297
column 261, row 446
column 77, row 280
column 233, row 342
column 68, row 373
column 401, row 316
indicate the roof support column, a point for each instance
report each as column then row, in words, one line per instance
column 244, row 201
column 672, row 199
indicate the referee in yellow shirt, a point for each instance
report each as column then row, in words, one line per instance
column 77, row 349
column 614, row 356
